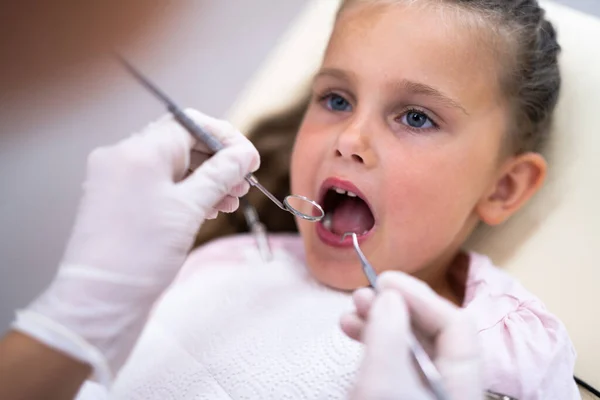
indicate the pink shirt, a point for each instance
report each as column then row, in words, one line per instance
column 234, row 327
column 527, row 352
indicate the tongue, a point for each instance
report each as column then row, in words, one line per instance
column 352, row 215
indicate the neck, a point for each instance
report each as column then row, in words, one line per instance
column 447, row 276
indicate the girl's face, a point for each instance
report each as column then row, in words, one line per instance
column 406, row 123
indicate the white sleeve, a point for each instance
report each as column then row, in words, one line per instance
column 92, row 391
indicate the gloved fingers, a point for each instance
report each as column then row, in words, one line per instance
column 231, row 202
column 430, row 313
column 240, row 190
column 387, row 371
column 221, row 174
column 455, row 334
column 221, row 130
column 198, row 155
column 171, row 143
column 176, row 146
column 165, row 145
column 228, row 204
column 352, row 325
column 197, row 158
column 457, row 360
column 363, row 300
column 213, row 214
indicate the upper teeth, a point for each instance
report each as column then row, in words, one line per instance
column 346, row 192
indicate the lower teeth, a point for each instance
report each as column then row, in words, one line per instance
column 327, row 222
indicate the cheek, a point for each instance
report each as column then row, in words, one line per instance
column 304, row 166
column 306, row 158
column 425, row 189
column 430, row 197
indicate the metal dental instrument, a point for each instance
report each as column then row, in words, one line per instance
column 366, row 266
column 429, row 370
column 259, row 232
column 427, row 367
column 300, row 206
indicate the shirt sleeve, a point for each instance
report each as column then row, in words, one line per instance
column 528, row 355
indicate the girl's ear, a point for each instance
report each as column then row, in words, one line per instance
column 519, row 179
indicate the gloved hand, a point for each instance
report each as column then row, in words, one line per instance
column 136, row 224
column 383, row 321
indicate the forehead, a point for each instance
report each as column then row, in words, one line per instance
column 419, row 41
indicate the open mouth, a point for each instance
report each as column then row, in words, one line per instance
column 346, row 210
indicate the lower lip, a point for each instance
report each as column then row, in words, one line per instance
column 331, row 239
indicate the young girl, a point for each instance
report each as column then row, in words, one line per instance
column 426, row 119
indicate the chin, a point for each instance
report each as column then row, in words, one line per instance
column 338, row 269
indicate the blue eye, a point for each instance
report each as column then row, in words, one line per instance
column 336, row 102
column 418, row 120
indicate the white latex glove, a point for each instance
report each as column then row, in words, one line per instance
column 136, row 224
column 383, row 321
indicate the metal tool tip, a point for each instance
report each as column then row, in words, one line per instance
column 345, row 235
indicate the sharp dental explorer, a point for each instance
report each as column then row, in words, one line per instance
column 429, row 369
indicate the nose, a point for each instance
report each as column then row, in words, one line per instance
column 354, row 144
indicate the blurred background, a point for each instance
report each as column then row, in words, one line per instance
column 201, row 52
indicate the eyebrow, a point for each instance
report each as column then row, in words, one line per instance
column 403, row 85
column 426, row 90
column 335, row 73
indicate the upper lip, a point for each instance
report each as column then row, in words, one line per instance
column 346, row 185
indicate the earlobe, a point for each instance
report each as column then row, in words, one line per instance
column 519, row 179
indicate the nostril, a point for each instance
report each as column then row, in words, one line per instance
column 354, row 157
column 357, row 158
